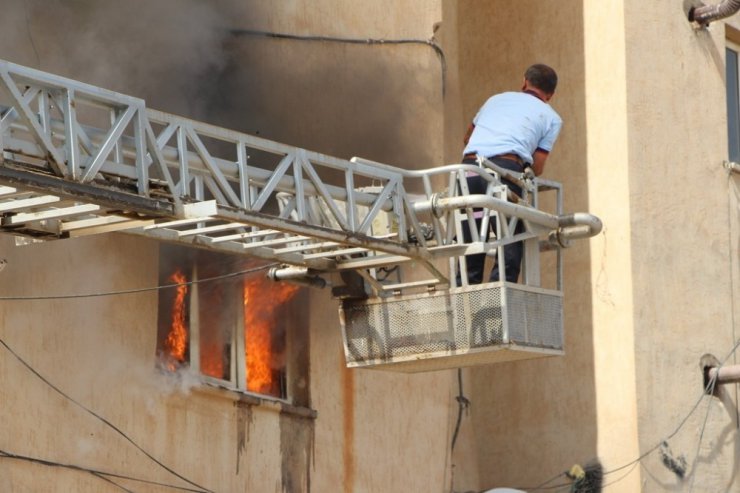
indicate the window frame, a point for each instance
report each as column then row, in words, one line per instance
column 237, row 365
column 237, row 352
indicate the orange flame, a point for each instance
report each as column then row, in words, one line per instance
column 177, row 340
column 262, row 298
column 211, row 360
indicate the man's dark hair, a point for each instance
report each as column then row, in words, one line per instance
column 542, row 77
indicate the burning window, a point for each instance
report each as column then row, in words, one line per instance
column 231, row 330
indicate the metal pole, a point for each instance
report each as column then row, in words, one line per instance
column 725, row 374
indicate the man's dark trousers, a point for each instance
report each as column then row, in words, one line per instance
column 512, row 253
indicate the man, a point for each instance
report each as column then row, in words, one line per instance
column 514, row 130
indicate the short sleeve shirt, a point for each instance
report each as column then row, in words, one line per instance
column 514, row 122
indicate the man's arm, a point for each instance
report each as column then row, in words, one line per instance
column 539, row 157
column 468, row 133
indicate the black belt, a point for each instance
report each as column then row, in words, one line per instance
column 510, row 157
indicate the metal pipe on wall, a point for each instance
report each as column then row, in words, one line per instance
column 704, row 14
column 725, row 374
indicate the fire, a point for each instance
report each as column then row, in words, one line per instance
column 262, row 298
column 177, row 340
column 211, row 359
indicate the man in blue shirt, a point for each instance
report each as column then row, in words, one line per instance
column 514, row 130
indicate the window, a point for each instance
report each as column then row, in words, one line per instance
column 733, row 101
column 229, row 329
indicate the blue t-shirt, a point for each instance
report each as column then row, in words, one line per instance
column 514, row 122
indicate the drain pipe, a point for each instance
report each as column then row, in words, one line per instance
column 704, row 14
column 565, row 228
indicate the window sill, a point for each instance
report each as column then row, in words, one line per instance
column 264, row 401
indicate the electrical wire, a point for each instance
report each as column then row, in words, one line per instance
column 622, row 476
column 361, row 41
column 102, row 419
column 711, row 383
column 732, row 186
column 709, row 389
column 698, row 448
column 138, row 290
column 103, row 475
column 95, row 472
column 541, row 485
column 108, row 480
column 463, row 403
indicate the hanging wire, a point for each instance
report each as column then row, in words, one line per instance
column 360, row 41
column 138, row 290
column 709, row 389
column 103, row 475
column 732, row 186
column 97, row 473
column 623, row 475
column 463, row 403
column 100, row 418
column 712, row 384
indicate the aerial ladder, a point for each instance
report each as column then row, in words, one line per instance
column 80, row 160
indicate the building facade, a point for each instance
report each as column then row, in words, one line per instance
column 647, row 131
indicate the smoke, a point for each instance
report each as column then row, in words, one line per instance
column 341, row 100
column 167, row 52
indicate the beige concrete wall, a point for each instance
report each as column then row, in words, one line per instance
column 100, row 352
column 683, row 242
column 373, row 431
column 530, row 419
column 611, row 283
column 381, row 102
column 642, row 96
column 377, row 431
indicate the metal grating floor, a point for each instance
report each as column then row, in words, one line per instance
column 469, row 326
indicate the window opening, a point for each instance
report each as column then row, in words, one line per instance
column 732, row 80
column 232, row 331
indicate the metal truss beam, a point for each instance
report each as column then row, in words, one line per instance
column 77, row 159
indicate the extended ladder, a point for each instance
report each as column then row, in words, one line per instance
column 79, row 160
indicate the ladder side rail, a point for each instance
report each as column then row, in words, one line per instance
column 279, row 180
column 107, row 144
column 105, row 98
column 423, row 174
column 213, row 170
column 51, row 82
column 71, row 140
column 343, row 219
column 350, row 203
column 299, row 192
column 21, row 108
column 194, row 164
column 86, row 154
column 71, row 125
column 142, row 164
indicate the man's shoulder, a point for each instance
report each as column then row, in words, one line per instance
column 508, row 95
